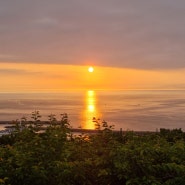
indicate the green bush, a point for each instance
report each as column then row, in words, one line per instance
column 57, row 157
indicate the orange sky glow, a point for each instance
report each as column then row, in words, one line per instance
column 17, row 77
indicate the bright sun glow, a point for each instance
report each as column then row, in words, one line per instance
column 91, row 69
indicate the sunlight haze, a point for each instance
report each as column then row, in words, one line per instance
column 16, row 77
column 49, row 45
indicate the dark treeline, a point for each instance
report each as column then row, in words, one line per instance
column 57, row 157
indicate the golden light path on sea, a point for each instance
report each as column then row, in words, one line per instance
column 91, row 110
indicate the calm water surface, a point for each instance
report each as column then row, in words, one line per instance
column 129, row 110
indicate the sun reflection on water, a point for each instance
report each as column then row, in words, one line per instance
column 90, row 109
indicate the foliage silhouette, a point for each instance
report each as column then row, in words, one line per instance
column 57, row 157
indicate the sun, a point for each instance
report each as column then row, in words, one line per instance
column 91, row 69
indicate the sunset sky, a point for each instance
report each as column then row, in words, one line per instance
column 49, row 45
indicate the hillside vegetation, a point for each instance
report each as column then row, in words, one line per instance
column 57, row 157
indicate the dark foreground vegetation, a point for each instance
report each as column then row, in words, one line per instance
column 57, row 157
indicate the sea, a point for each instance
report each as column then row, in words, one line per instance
column 137, row 110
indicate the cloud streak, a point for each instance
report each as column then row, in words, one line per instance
column 12, row 71
column 133, row 34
